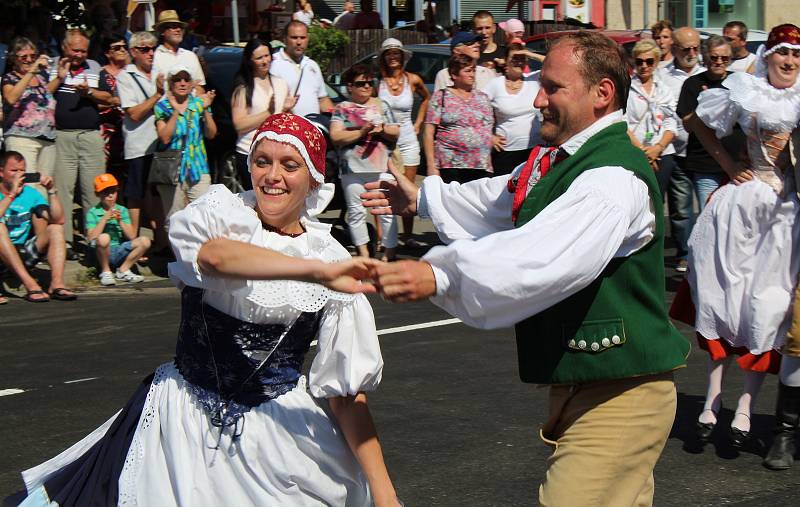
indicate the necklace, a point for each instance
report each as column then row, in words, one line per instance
column 394, row 83
column 514, row 85
column 282, row 233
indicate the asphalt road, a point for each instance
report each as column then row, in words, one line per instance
column 457, row 425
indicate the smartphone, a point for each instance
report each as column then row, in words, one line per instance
column 31, row 178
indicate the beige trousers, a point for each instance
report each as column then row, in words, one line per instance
column 176, row 197
column 792, row 346
column 607, row 437
column 80, row 157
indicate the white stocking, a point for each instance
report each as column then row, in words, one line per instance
column 752, row 384
column 716, row 374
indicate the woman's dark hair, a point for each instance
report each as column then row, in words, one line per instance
column 244, row 77
column 514, row 46
column 356, row 70
column 382, row 62
column 108, row 40
column 458, row 62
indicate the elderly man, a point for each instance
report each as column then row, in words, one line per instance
column 301, row 73
column 31, row 228
column 742, row 60
column 466, row 43
column 569, row 248
column 138, row 95
column 170, row 53
column 685, row 63
column 79, row 145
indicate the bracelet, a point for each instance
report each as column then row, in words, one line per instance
column 52, row 192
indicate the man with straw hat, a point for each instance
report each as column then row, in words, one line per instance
column 170, row 30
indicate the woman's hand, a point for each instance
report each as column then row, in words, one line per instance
column 42, row 63
column 63, row 68
column 653, row 152
column 742, row 176
column 208, row 98
column 351, row 277
column 289, row 102
column 498, row 142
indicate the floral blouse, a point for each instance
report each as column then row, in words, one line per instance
column 463, row 137
column 34, row 113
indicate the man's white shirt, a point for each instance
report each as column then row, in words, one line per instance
column 304, row 79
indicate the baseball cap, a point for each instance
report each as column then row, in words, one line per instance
column 104, row 181
column 463, row 38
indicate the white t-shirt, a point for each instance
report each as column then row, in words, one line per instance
column 742, row 64
column 261, row 102
column 309, row 77
column 515, row 117
column 165, row 59
column 133, row 88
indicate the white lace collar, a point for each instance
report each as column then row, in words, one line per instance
column 777, row 109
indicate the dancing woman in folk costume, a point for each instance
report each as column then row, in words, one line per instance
column 742, row 272
column 231, row 421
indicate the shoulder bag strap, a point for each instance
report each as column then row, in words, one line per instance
column 133, row 75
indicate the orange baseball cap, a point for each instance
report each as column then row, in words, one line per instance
column 104, row 181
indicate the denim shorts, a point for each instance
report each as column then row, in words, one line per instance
column 119, row 253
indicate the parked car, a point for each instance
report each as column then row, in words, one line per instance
column 221, row 65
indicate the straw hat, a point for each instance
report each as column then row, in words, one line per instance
column 168, row 16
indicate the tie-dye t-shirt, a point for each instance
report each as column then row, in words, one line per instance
column 188, row 129
column 369, row 154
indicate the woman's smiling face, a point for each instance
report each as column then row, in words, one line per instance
column 281, row 181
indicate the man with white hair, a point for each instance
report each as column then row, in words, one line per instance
column 466, row 43
column 138, row 95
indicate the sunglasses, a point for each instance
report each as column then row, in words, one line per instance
column 690, row 49
column 519, row 60
column 118, row 47
column 144, row 49
column 361, row 84
column 784, row 51
column 26, row 58
column 645, row 61
column 174, row 26
column 720, row 59
column 180, row 80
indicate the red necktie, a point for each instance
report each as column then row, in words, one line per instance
column 550, row 156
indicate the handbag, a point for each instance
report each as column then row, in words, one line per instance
column 166, row 165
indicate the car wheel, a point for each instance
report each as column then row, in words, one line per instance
column 226, row 172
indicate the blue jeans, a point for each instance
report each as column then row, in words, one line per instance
column 665, row 166
column 705, row 184
column 680, row 199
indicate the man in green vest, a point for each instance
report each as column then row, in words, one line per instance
column 569, row 249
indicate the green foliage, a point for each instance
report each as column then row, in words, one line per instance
column 325, row 44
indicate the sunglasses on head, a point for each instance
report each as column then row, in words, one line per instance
column 645, row 61
column 144, row 49
column 361, row 84
column 721, row 59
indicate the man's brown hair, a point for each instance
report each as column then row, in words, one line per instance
column 599, row 57
column 458, row 62
column 660, row 26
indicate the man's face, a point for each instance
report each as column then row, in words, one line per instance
column 733, row 34
column 664, row 41
column 484, row 27
column 565, row 102
column 76, row 49
column 143, row 55
column 173, row 33
column 473, row 50
column 686, row 48
column 12, row 171
column 718, row 60
column 296, row 41
column 349, row 7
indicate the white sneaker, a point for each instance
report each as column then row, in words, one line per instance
column 129, row 276
column 107, row 278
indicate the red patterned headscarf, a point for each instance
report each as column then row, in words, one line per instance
column 787, row 35
column 301, row 134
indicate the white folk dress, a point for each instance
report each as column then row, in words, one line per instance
column 288, row 451
column 742, row 265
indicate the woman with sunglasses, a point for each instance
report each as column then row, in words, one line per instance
column 397, row 88
column 256, row 96
column 29, row 106
column 516, row 125
column 742, row 269
column 365, row 131
column 182, row 121
column 117, row 56
column 649, row 114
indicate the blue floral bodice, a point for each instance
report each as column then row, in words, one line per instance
column 219, row 355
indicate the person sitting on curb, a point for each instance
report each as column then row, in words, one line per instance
column 110, row 231
column 31, row 228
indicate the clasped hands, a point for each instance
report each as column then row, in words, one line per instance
column 398, row 282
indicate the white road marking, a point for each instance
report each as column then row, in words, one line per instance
column 9, row 392
column 80, row 380
column 410, row 327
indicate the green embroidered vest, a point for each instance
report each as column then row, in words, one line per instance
column 617, row 327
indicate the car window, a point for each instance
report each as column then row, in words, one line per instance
column 538, row 46
column 426, row 65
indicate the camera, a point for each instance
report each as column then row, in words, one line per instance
column 31, row 178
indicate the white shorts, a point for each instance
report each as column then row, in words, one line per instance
column 410, row 152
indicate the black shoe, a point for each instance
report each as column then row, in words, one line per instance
column 739, row 438
column 787, row 414
column 703, row 430
column 71, row 254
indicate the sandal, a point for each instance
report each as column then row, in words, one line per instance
column 29, row 296
column 3, row 300
column 63, row 294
